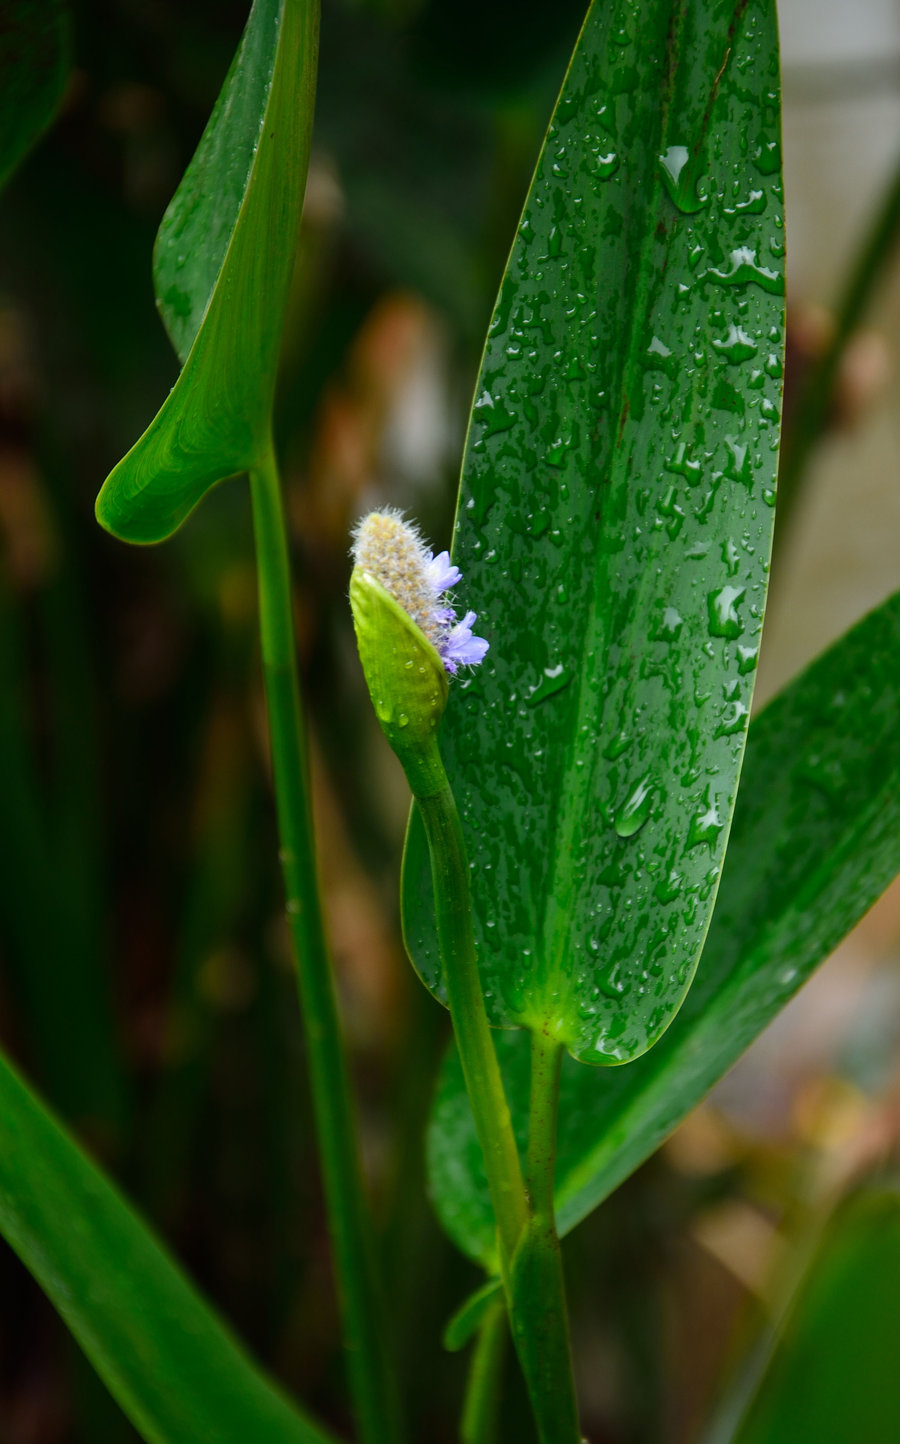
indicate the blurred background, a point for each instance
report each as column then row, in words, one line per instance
column 145, row 979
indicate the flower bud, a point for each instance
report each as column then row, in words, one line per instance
column 405, row 676
column 409, row 638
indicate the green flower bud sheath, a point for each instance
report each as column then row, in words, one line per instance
column 408, row 641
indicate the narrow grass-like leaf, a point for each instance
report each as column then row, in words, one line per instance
column 833, row 1375
column 223, row 264
column 34, row 67
column 614, row 527
column 815, row 841
column 172, row 1365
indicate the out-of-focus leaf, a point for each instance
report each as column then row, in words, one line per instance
column 172, row 1365
column 815, row 841
column 223, row 264
column 470, row 1315
column 833, row 1375
column 614, row 528
column 34, row 66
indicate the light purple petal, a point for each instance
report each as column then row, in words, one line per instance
column 460, row 648
column 441, row 573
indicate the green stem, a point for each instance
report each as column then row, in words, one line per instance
column 529, row 1247
column 811, row 410
column 484, row 1085
column 481, row 1406
column 371, row 1380
column 540, row 1316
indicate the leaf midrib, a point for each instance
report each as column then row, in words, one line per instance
column 576, row 790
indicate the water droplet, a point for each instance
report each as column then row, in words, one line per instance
column 557, row 451
column 635, row 810
column 754, row 205
column 768, row 157
column 681, row 172
column 738, row 465
column 669, row 625
column 747, row 659
column 553, row 680
column 658, row 352
column 733, row 719
column 705, row 827
column 493, row 415
column 612, row 986
column 668, row 888
column 737, row 345
column 402, row 720
column 745, row 268
column 774, row 367
column 723, row 618
column 683, row 465
column 616, row 746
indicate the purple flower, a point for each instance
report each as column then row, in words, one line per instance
column 441, row 573
column 456, row 645
column 392, row 550
column 460, row 648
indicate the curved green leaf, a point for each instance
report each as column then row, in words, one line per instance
column 34, row 68
column 833, row 1375
column 815, row 841
column 471, row 1314
column 614, row 528
column 172, row 1365
column 223, row 264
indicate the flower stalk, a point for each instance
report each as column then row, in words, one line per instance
column 371, row 1377
column 410, row 642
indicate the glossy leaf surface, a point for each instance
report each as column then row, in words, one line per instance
column 815, row 841
column 34, row 66
column 223, row 264
column 833, row 1375
column 614, row 528
column 172, row 1365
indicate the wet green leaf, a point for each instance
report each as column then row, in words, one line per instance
column 614, row 528
column 34, row 68
column 172, row 1365
column 815, row 841
column 833, row 1374
column 223, row 264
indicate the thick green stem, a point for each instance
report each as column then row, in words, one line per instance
column 371, row 1380
column 539, row 1313
column 450, row 875
column 480, row 1417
